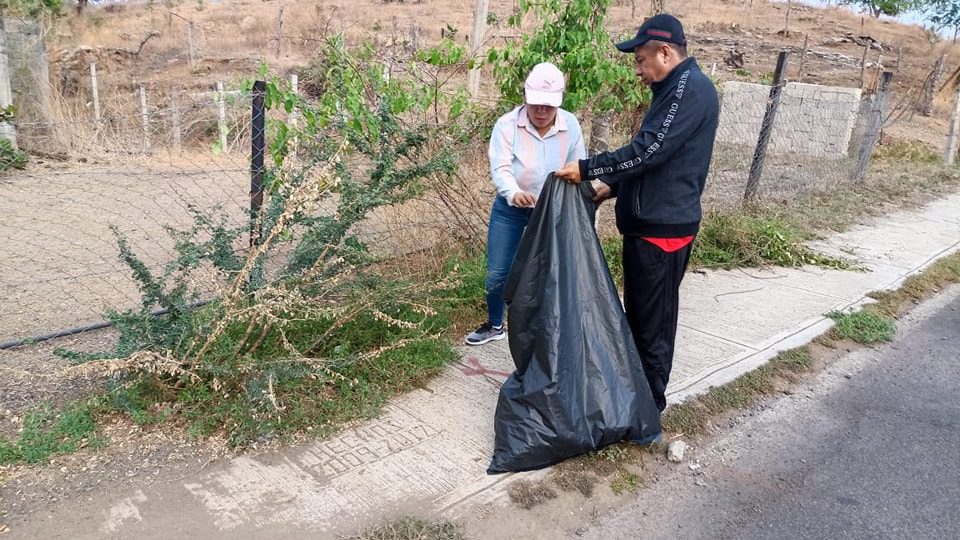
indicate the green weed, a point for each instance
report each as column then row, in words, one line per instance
column 736, row 240
column 904, row 151
column 47, row 432
column 915, row 288
column 613, row 252
column 864, row 326
column 626, row 481
column 10, row 157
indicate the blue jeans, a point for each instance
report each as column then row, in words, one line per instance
column 506, row 228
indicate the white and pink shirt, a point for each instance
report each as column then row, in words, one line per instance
column 520, row 159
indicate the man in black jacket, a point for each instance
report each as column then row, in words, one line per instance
column 658, row 180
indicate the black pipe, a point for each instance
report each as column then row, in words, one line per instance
column 81, row 329
column 257, row 148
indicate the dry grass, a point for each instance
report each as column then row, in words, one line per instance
column 249, row 29
column 526, row 493
column 574, row 476
column 918, row 287
column 121, row 129
column 622, row 465
column 693, row 417
column 245, row 29
column 233, row 37
column 902, row 176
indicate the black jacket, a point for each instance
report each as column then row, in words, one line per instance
column 659, row 177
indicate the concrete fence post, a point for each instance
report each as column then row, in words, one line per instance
column 191, row 46
column 294, row 118
column 951, row 155
column 7, row 129
column 145, row 117
column 95, row 90
column 480, row 9
column 222, row 116
column 803, row 57
column 175, row 111
column 280, row 32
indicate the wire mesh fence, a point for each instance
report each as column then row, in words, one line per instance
column 188, row 154
column 815, row 141
column 62, row 222
column 139, row 119
column 60, row 230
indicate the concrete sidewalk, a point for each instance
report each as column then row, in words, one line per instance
column 428, row 453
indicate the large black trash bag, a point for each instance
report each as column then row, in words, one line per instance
column 579, row 384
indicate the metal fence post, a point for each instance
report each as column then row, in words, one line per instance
column 756, row 166
column 874, row 125
column 256, row 160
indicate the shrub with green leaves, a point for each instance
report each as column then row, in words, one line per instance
column 10, row 157
column 734, row 239
column 32, row 8
column 303, row 334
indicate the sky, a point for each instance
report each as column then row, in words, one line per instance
column 913, row 18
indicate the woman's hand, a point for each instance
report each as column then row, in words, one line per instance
column 522, row 199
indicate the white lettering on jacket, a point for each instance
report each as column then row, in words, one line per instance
column 661, row 134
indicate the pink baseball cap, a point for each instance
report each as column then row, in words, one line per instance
column 544, row 85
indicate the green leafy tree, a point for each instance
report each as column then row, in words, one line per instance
column 572, row 35
column 31, row 8
column 886, row 7
column 944, row 14
column 395, row 133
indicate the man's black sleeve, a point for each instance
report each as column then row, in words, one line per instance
column 670, row 126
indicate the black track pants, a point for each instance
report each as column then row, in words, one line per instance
column 651, row 294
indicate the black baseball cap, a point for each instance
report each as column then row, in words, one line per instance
column 660, row 27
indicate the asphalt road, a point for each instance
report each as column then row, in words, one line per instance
column 871, row 449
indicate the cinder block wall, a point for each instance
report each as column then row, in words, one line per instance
column 812, row 120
